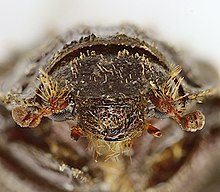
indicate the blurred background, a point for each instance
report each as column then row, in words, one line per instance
column 190, row 24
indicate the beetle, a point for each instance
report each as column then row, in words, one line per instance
column 111, row 85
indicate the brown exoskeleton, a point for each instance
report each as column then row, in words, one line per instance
column 109, row 88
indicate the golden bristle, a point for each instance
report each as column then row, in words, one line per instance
column 170, row 88
column 174, row 72
column 108, row 150
column 51, row 92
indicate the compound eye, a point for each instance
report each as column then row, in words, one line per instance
column 65, row 114
column 61, row 116
column 156, row 113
